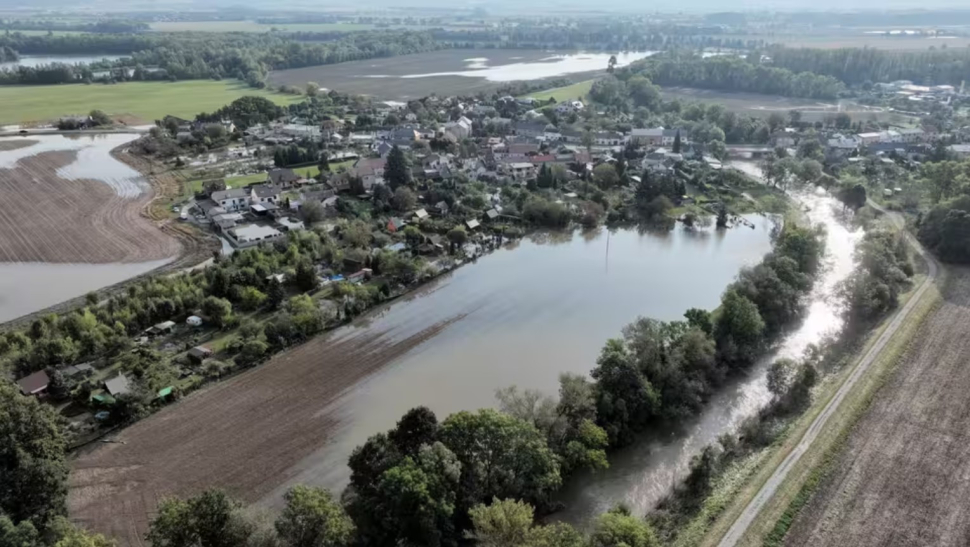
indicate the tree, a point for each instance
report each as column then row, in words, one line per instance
column 274, row 294
column 738, row 329
column 504, row 523
column 418, row 427
column 251, row 298
column 210, row 519
column 699, row 319
column 722, row 217
column 611, row 64
column 404, row 199
column 24, row 534
column 33, row 469
column 617, row 528
column 677, row 144
column 312, row 88
column 457, row 236
column 312, row 211
column 324, row 163
column 397, row 171
column 500, row 456
column 626, row 400
column 75, row 537
column 312, row 518
column 853, row 196
column 605, row 176
column 218, row 310
column 306, row 279
column 587, row 141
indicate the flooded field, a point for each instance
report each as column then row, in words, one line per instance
column 72, row 221
column 449, row 72
column 518, row 316
column 38, row 60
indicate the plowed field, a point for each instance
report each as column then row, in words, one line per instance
column 49, row 218
column 903, row 478
column 243, row 435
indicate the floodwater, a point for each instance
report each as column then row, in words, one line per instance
column 641, row 474
column 39, row 60
column 547, row 67
column 29, row 287
column 523, row 317
column 94, row 160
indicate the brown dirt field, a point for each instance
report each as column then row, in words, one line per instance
column 242, row 435
column 903, row 477
column 73, row 221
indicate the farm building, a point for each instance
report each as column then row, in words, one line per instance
column 119, row 385
column 35, row 384
column 199, row 353
column 253, row 234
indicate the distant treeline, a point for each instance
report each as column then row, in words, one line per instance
column 106, row 26
column 732, row 73
column 195, row 56
column 857, row 66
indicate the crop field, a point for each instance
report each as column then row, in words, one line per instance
column 57, row 215
column 901, row 477
column 144, row 101
column 243, row 435
column 253, row 26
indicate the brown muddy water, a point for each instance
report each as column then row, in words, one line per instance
column 526, row 315
column 27, row 287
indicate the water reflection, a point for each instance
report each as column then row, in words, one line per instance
column 642, row 474
column 529, row 314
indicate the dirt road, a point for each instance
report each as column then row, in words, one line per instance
column 765, row 495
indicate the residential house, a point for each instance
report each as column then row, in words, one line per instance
column 283, row 178
column 961, row 150
column 420, row 214
column 866, row 139
column 199, row 354
column 383, row 148
column 370, row 171
column 608, row 138
column 519, row 171
column 529, row 129
column 568, row 107
column 670, row 136
column 233, row 199
column 35, row 384
column 647, row 136
column 300, row 131
column 264, row 193
column 783, row 138
column 403, row 137
column 395, row 224
column 250, row 235
column 472, row 224
column 912, row 135
column 460, row 129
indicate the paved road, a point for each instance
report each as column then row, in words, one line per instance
column 767, row 492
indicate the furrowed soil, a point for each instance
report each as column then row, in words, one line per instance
column 52, row 219
column 903, row 477
column 242, row 435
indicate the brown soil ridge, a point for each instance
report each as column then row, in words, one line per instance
column 903, row 477
column 243, row 435
column 51, row 219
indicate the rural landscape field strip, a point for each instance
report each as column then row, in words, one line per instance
column 740, row 527
column 901, row 478
column 51, row 219
column 243, row 434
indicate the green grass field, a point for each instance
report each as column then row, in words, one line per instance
column 147, row 101
column 252, row 26
column 578, row 90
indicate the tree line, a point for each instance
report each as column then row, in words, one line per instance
column 865, row 66
column 194, row 56
column 736, row 74
column 119, row 26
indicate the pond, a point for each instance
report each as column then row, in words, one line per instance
column 521, row 317
column 38, row 60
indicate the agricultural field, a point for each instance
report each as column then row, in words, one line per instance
column 75, row 204
column 258, row 425
column 138, row 102
column 253, row 26
column 835, row 41
column 900, row 477
column 755, row 104
column 578, row 90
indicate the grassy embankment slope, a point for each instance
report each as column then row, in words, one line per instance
column 578, row 90
column 146, row 101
